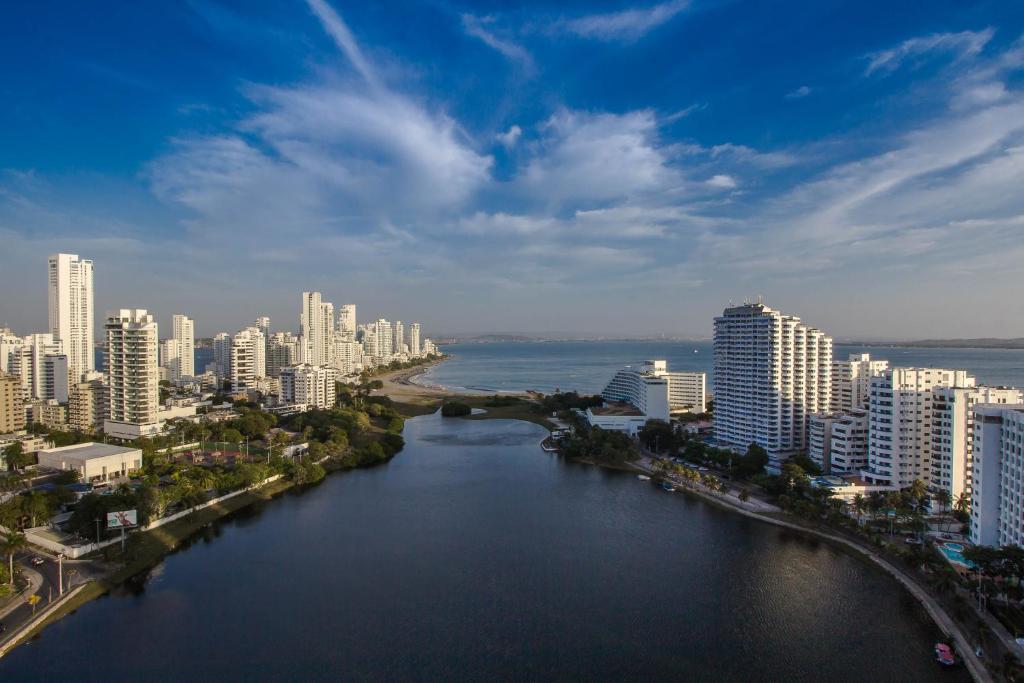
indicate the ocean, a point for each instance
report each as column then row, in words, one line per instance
column 586, row 366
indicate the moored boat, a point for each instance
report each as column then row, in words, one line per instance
column 944, row 655
column 643, row 477
column 667, row 486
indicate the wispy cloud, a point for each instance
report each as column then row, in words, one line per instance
column 343, row 38
column 510, row 137
column 800, row 93
column 475, row 26
column 722, row 182
column 628, row 25
column 961, row 45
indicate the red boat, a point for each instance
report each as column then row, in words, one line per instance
column 944, row 655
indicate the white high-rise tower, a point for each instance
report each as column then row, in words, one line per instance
column 414, row 339
column 179, row 350
column 317, row 323
column 133, row 376
column 772, row 373
column 71, row 314
column 347, row 320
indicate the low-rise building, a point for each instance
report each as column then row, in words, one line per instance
column 50, row 414
column 94, row 462
column 617, row 416
column 848, row 445
column 87, row 406
column 12, row 404
column 819, row 440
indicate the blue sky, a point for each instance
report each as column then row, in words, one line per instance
column 599, row 168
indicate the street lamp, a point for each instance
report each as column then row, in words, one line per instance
column 60, row 574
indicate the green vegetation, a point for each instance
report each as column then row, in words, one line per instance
column 394, row 366
column 455, row 409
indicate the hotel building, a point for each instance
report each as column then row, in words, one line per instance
column 900, row 423
column 308, row 385
column 997, row 511
column 772, row 373
column 851, row 381
column 71, row 310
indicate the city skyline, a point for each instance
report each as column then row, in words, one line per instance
column 524, row 170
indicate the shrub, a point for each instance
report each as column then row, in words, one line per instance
column 455, row 409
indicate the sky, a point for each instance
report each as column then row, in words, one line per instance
column 592, row 168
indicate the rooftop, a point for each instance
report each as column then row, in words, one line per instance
column 88, row 451
column 617, row 408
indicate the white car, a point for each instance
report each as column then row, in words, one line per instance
column 37, row 561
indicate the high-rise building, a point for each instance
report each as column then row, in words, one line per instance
column 263, row 325
column 248, row 359
column 997, row 514
column 317, row 323
column 221, row 356
column 309, row 385
column 398, row 338
column 383, row 335
column 900, row 423
column 347, row 354
column 282, row 351
column 10, row 344
column 641, row 388
column 55, row 378
column 953, row 434
column 414, row 340
column 772, row 373
column 71, row 312
column 133, row 374
column 184, row 334
column 87, row 406
column 12, row 404
column 347, row 320
column 851, row 381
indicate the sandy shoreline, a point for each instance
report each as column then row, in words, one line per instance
column 410, row 385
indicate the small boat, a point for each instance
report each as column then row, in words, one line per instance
column 667, row 486
column 643, row 477
column 944, row 655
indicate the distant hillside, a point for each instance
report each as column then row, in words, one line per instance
column 983, row 343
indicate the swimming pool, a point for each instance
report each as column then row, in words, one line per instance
column 954, row 552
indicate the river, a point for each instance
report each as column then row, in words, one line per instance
column 475, row 556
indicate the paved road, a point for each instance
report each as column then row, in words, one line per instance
column 43, row 580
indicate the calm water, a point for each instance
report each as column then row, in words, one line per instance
column 475, row 556
column 587, row 366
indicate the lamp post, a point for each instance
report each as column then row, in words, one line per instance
column 60, row 574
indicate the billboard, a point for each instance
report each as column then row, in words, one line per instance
column 122, row 519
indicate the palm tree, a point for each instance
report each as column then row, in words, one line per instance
column 12, row 543
column 963, row 502
column 859, row 505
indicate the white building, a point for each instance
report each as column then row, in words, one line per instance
column 851, row 381
column 997, row 514
column 398, row 339
column 953, row 434
column 133, row 375
column 617, row 417
column 641, row 388
column 317, row 323
column 347, row 320
column 221, row 365
column 819, row 440
column 848, row 443
column 71, row 310
column 248, row 359
column 27, row 362
column 771, row 374
column 10, row 344
column 95, row 462
column 308, row 385
column 900, row 423
column 348, row 354
column 414, row 340
column 180, row 350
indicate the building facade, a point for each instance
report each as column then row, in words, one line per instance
column 851, row 381
column 772, row 373
column 953, row 434
column 87, row 406
column 309, row 385
column 900, row 423
column 71, row 310
column 641, row 388
column 133, row 374
column 848, row 443
column 317, row 323
column 997, row 512
column 12, row 404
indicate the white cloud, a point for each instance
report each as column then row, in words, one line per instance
column 599, row 157
column 343, row 38
column 800, row 93
column 722, row 181
column 961, row 45
column 474, row 26
column 627, row 25
column 510, row 137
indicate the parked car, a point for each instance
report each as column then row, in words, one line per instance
column 37, row 560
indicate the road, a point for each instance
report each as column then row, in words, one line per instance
column 43, row 580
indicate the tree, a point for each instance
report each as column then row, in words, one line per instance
column 658, row 436
column 860, row 504
column 751, row 463
column 36, row 505
column 16, row 456
column 918, row 492
column 943, row 498
column 11, row 544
